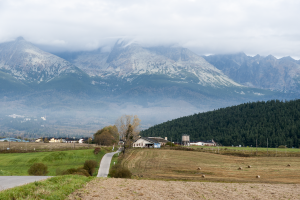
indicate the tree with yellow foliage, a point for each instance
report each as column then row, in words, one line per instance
column 107, row 136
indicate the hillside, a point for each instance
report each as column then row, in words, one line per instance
column 239, row 125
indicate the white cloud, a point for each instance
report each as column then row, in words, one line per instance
column 207, row 27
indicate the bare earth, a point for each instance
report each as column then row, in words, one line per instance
column 112, row 188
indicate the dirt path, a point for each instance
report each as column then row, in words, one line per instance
column 111, row 188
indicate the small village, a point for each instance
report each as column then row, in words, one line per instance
column 141, row 142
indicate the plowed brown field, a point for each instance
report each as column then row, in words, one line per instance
column 112, row 188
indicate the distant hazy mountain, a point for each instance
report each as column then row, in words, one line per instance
column 156, row 83
column 26, row 62
column 132, row 72
column 260, row 72
column 128, row 59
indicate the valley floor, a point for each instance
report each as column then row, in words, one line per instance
column 112, row 188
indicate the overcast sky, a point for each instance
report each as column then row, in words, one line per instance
column 207, row 27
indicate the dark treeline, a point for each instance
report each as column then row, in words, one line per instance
column 239, row 125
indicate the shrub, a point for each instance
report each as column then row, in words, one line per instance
column 170, row 144
column 70, row 171
column 97, row 150
column 118, row 171
column 38, row 169
column 78, row 171
column 89, row 166
column 282, row 146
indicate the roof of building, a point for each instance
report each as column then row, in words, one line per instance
column 12, row 140
column 153, row 139
column 159, row 139
column 208, row 141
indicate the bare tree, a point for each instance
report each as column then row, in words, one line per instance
column 128, row 127
column 123, row 122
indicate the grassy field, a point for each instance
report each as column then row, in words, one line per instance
column 17, row 164
column 39, row 146
column 58, row 187
column 244, row 151
column 250, row 148
column 182, row 165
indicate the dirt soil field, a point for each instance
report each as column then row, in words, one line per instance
column 112, row 188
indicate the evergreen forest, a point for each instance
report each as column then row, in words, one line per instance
column 274, row 120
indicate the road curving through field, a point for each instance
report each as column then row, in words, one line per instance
column 105, row 164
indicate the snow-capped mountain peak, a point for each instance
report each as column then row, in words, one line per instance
column 131, row 59
column 27, row 62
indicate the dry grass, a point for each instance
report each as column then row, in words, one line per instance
column 183, row 165
column 33, row 146
column 246, row 151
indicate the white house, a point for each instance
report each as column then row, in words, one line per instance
column 149, row 142
column 81, row 140
column 204, row 143
column 54, row 140
column 197, row 143
column 39, row 140
column 209, row 143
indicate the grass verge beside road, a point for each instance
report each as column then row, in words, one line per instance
column 58, row 187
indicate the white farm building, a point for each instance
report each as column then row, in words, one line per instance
column 150, row 142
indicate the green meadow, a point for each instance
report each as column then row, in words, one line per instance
column 17, row 164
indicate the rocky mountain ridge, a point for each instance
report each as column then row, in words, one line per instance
column 260, row 72
column 26, row 62
column 126, row 60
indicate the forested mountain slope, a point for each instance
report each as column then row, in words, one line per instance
column 239, row 125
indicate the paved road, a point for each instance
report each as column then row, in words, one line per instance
column 105, row 164
column 13, row 181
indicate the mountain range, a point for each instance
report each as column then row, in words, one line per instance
column 157, row 83
column 260, row 72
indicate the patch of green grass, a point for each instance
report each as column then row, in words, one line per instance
column 114, row 159
column 58, row 187
column 17, row 164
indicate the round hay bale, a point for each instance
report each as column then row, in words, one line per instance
column 258, row 176
column 199, row 168
column 240, row 168
column 249, row 166
column 203, row 176
column 288, row 165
